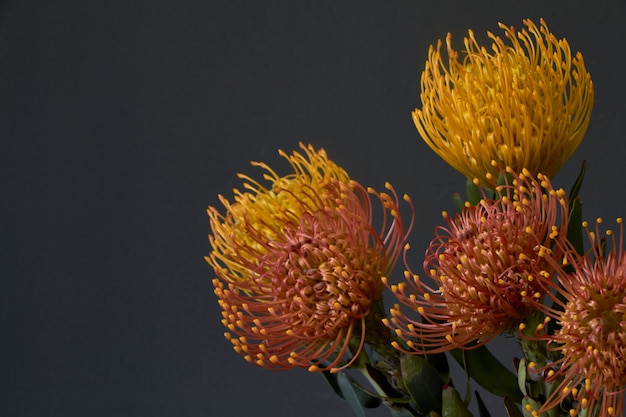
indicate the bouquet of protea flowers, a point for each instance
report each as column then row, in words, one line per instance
column 302, row 262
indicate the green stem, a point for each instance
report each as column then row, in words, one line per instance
column 534, row 351
column 379, row 337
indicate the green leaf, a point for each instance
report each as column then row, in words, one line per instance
column 370, row 399
column 349, row 390
column 521, row 376
column 332, row 381
column 487, row 370
column 532, row 404
column 458, row 203
column 440, row 362
column 468, row 384
column 504, row 179
column 482, row 408
column 574, row 225
column 400, row 411
column 472, row 192
column 381, row 380
column 452, row 405
column 511, row 408
column 573, row 194
column 423, row 382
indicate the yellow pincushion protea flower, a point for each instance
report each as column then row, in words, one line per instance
column 264, row 208
column 524, row 105
column 299, row 264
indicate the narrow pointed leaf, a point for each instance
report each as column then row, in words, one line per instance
column 511, row 408
column 529, row 406
column 458, row 203
column 482, row 408
column 468, row 384
column 488, row 371
column 348, row 392
column 440, row 362
column 472, row 192
column 381, row 380
column 574, row 225
column 401, row 412
column 573, row 194
column 452, row 405
column 521, row 376
column 332, row 381
column 505, row 179
column 365, row 398
column 423, row 382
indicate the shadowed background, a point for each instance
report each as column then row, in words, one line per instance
column 121, row 121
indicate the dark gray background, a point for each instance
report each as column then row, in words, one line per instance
column 122, row 120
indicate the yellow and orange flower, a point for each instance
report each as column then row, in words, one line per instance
column 299, row 264
column 486, row 268
column 588, row 304
column 524, row 105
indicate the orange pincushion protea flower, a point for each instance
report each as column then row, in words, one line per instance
column 299, row 264
column 525, row 105
column 588, row 303
column 486, row 264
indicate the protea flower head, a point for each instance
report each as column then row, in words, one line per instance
column 299, row 264
column 524, row 105
column 587, row 302
column 485, row 267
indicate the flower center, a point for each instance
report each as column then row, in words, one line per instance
column 593, row 333
column 323, row 278
column 611, row 321
column 485, row 274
